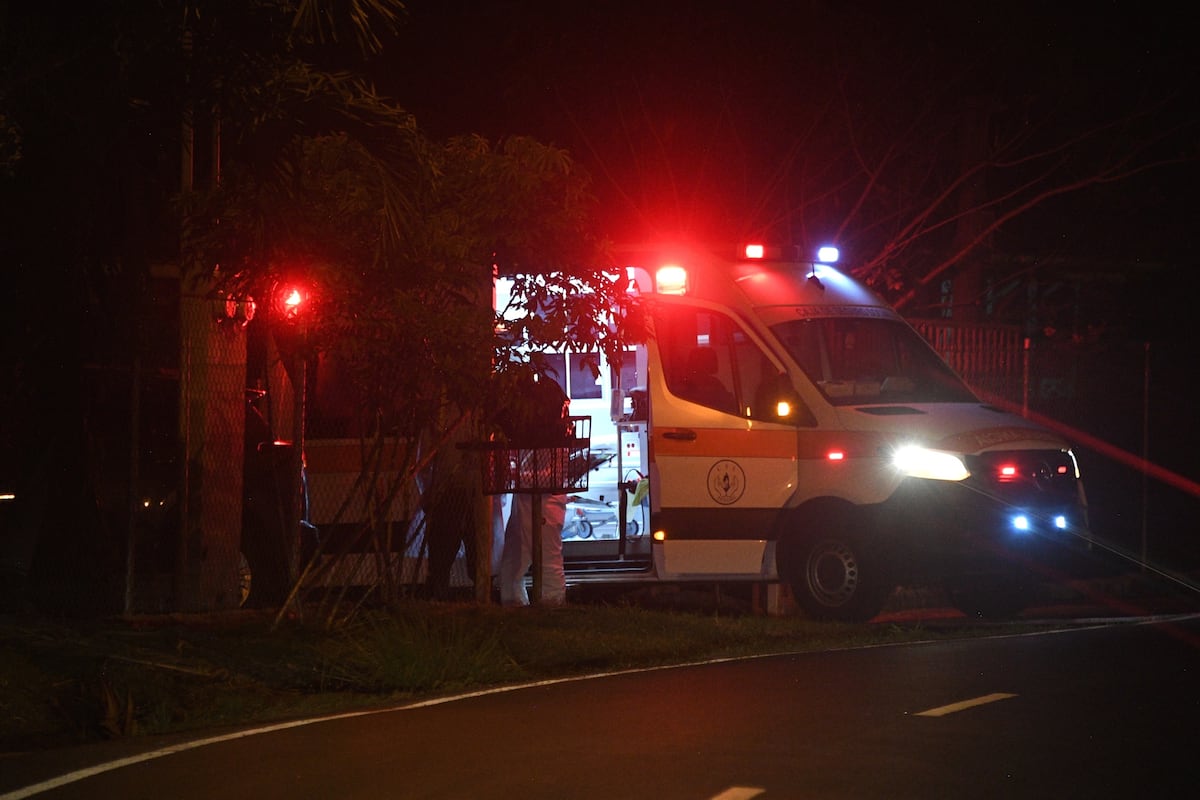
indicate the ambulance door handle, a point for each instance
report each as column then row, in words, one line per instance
column 682, row 436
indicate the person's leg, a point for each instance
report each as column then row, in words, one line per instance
column 554, row 585
column 517, row 555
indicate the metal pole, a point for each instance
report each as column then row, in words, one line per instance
column 622, row 500
column 291, row 548
column 1145, row 448
column 1025, row 379
column 135, row 419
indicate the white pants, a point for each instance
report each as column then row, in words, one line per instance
column 517, row 555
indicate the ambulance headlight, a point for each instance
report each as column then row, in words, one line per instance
column 936, row 465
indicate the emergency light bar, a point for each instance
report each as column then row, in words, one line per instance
column 754, row 251
column 673, row 279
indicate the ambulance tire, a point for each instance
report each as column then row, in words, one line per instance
column 835, row 578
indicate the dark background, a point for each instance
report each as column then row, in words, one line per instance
column 688, row 116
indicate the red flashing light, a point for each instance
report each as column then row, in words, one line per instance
column 1007, row 472
column 671, row 279
column 755, row 251
column 836, row 455
column 291, row 301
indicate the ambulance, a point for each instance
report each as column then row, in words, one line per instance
column 791, row 428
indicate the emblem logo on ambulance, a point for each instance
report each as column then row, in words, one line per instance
column 726, row 482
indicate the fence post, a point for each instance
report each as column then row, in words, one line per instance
column 1145, row 448
column 1025, row 354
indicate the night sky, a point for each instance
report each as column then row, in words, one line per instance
column 686, row 113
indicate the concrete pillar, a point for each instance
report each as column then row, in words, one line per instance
column 212, row 385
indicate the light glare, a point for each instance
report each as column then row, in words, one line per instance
column 828, row 254
column 921, row 462
column 671, row 279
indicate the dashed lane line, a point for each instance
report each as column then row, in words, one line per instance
column 963, row 705
column 738, row 793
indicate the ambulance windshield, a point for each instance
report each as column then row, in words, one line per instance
column 867, row 360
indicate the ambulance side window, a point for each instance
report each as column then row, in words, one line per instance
column 709, row 360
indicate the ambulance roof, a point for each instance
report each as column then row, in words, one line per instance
column 776, row 289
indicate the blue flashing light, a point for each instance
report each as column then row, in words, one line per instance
column 827, row 255
column 1020, row 522
column 1060, row 522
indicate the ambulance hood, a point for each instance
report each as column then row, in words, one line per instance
column 963, row 428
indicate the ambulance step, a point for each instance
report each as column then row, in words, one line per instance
column 600, row 566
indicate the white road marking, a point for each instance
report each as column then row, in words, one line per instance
column 942, row 711
column 739, row 793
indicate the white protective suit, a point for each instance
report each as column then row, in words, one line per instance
column 517, row 555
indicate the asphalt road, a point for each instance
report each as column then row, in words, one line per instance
column 1095, row 712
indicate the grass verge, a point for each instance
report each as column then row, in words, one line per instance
column 66, row 683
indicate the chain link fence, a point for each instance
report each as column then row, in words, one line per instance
column 1128, row 410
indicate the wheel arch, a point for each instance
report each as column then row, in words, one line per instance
column 832, row 530
column 798, row 525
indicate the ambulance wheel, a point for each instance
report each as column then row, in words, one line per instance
column 833, row 577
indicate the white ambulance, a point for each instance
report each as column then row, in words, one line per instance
column 794, row 428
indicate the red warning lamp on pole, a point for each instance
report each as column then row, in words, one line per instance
column 291, row 311
column 290, row 300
